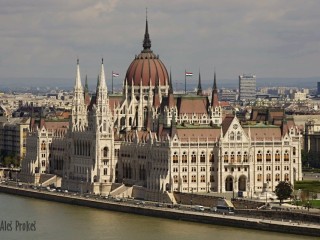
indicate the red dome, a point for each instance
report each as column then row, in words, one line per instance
column 147, row 66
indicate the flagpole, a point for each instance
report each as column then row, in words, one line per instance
column 112, row 83
column 185, row 81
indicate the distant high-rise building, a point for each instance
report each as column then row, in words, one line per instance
column 247, row 87
column 318, row 88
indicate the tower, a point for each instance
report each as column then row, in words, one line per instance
column 79, row 120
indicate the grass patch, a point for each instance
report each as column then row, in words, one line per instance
column 308, row 186
column 313, row 203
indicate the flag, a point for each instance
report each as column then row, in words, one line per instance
column 115, row 74
column 189, row 73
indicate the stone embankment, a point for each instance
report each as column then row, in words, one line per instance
column 172, row 213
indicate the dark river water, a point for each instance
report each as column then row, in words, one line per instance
column 28, row 218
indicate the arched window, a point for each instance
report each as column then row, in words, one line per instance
column 232, row 136
column 202, row 157
column 105, row 171
column 286, row 177
column 268, row 156
column 239, row 136
column 259, row 177
column 43, row 145
column 175, row 179
column 184, row 157
column 286, row 156
column 294, row 151
column 268, row 177
column 193, row 157
column 211, row 157
column 226, row 157
column 259, row 156
column 239, row 157
column 184, row 179
column 245, row 157
column 277, row 177
column 105, row 151
column 232, row 157
column 277, row 156
column 175, row 157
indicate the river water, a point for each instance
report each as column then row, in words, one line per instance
column 50, row 220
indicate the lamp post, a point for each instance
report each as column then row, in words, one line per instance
column 191, row 197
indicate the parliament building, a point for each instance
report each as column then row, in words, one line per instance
column 149, row 140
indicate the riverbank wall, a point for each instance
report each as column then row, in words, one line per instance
column 176, row 214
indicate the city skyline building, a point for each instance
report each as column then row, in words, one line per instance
column 247, row 87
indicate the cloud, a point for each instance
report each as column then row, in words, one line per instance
column 43, row 38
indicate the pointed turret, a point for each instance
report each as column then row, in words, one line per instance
column 214, row 99
column 86, row 88
column 102, row 78
column 156, row 95
column 86, row 93
column 199, row 91
column 77, row 84
column 170, row 96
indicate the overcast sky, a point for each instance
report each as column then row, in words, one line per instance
column 272, row 38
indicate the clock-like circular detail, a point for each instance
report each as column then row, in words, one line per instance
column 235, row 126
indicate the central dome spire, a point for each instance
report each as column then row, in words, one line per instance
column 146, row 40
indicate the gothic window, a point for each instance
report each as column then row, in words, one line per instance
column 245, row 157
column 277, row 156
column 211, row 157
column 184, row 179
column 43, row 163
column 193, row 157
column 203, row 178
column 259, row 177
column 105, row 151
column 268, row 156
column 277, row 177
column 193, row 178
column 239, row 136
column 175, row 157
column 175, row 179
column 286, row 156
column 232, row 136
column 268, row 177
column 294, row 150
column 286, row 177
column 184, row 157
column 43, row 145
column 259, row 156
column 239, row 157
column 202, row 157
column 232, row 157
column 226, row 157
column 105, row 171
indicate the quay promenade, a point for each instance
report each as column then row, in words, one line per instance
column 151, row 209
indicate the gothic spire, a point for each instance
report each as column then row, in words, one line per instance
column 214, row 99
column 146, row 40
column 102, row 77
column 170, row 83
column 199, row 91
column 78, row 85
column 86, row 88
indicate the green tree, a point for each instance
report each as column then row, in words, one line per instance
column 283, row 190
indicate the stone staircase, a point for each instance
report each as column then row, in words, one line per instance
column 122, row 191
column 50, row 179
